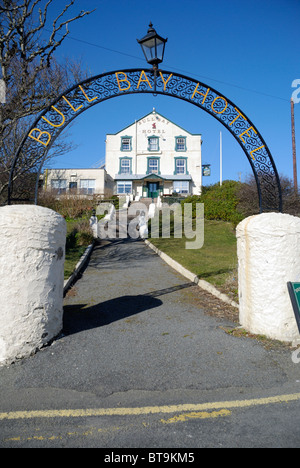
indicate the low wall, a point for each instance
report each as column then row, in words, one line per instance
column 268, row 257
column 32, row 252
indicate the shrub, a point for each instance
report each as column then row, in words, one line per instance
column 220, row 202
column 71, row 239
column 84, row 234
column 79, row 234
column 70, row 206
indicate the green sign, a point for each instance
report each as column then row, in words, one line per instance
column 206, row 169
column 294, row 291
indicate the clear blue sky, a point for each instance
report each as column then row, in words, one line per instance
column 248, row 51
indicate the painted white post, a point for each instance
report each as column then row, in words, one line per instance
column 32, row 253
column 159, row 202
column 143, row 227
column 94, row 226
column 151, row 211
column 268, row 248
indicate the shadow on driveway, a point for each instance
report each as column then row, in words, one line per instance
column 81, row 317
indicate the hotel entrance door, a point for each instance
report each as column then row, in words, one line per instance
column 153, row 191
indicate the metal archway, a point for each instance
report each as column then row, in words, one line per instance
column 33, row 150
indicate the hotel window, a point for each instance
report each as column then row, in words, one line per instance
column 125, row 166
column 87, row 186
column 181, row 186
column 180, row 143
column 124, row 187
column 126, row 143
column 180, row 166
column 153, row 166
column 59, row 186
column 153, row 144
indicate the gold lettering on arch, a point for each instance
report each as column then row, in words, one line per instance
column 223, row 110
column 38, row 138
column 52, row 124
column 199, row 92
column 122, row 80
column 86, row 96
column 72, row 107
column 253, row 151
column 163, row 80
column 145, row 80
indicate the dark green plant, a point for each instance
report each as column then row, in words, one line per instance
column 220, row 202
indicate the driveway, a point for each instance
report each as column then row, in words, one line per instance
column 149, row 363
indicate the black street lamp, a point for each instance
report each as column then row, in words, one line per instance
column 153, row 46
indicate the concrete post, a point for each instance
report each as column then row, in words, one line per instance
column 32, row 252
column 94, row 226
column 268, row 248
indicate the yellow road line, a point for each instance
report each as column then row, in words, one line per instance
column 197, row 415
column 146, row 410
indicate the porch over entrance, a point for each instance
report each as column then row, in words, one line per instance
column 153, row 185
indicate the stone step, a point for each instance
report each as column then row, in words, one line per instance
column 145, row 201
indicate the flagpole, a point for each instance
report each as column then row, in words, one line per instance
column 221, row 159
column 294, row 147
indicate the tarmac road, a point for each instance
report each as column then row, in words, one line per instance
column 141, row 363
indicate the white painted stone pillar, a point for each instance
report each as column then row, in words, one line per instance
column 32, row 252
column 268, row 248
column 94, row 226
column 151, row 211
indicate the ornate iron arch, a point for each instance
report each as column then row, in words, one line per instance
column 34, row 148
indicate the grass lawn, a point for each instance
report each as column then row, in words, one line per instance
column 215, row 262
column 75, row 248
column 73, row 256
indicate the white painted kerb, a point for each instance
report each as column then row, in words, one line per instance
column 32, row 252
column 268, row 248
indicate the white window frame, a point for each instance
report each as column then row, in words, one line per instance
column 181, row 186
column 124, row 187
column 150, row 166
column 153, row 144
column 180, row 144
column 180, row 168
column 125, row 166
column 87, row 186
column 59, row 185
column 125, row 144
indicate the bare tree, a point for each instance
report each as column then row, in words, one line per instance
column 248, row 197
column 32, row 76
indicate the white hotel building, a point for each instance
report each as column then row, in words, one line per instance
column 153, row 156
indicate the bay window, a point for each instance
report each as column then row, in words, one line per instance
column 181, row 186
column 124, row 187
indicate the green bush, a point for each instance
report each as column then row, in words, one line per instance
column 69, row 206
column 79, row 234
column 220, row 202
column 71, row 239
column 84, row 235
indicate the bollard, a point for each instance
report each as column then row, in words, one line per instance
column 268, row 247
column 32, row 252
